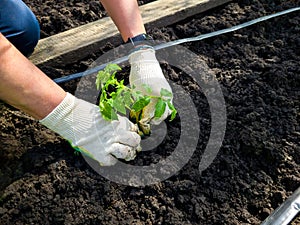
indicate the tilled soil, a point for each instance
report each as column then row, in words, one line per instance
column 257, row 166
column 58, row 16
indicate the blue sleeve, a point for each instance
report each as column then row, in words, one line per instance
column 19, row 25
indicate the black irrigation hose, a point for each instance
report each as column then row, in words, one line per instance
column 177, row 42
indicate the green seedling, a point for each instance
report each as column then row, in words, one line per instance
column 116, row 97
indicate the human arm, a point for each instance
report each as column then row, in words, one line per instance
column 24, row 86
column 145, row 69
column 126, row 16
column 27, row 88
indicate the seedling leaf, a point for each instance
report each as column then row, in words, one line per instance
column 172, row 108
column 160, row 108
column 112, row 68
column 127, row 99
column 118, row 104
column 165, row 93
column 116, row 98
column 107, row 111
column 104, row 75
column 101, row 79
column 141, row 103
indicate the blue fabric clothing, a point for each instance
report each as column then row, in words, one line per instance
column 19, row 25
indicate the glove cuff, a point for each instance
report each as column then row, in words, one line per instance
column 61, row 116
column 142, row 54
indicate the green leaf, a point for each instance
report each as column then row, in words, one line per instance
column 118, row 104
column 137, row 95
column 173, row 114
column 165, row 93
column 104, row 75
column 107, row 111
column 127, row 99
column 141, row 103
column 101, row 79
column 113, row 95
column 103, row 96
column 111, row 81
column 174, row 111
column 121, row 84
column 160, row 108
column 112, row 68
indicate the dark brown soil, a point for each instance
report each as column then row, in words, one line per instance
column 258, row 166
column 57, row 16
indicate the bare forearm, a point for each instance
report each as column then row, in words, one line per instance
column 23, row 85
column 126, row 16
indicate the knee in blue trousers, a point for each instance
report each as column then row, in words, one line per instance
column 19, row 25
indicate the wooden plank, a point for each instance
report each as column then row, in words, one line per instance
column 77, row 43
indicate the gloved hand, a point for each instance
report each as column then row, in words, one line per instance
column 145, row 69
column 81, row 123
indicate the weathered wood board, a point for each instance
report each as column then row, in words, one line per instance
column 75, row 44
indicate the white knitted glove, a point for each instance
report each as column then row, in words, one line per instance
column 81, row 123
column 145, row 69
